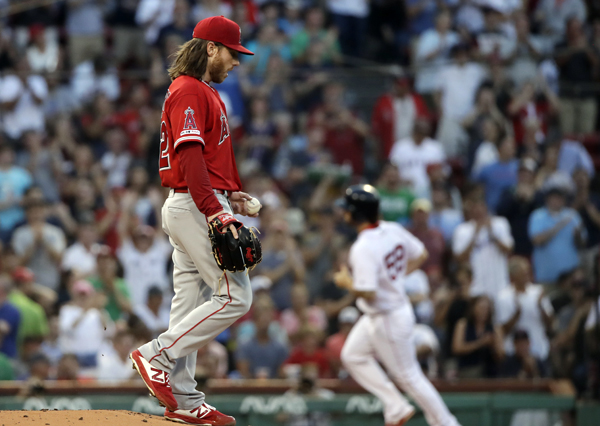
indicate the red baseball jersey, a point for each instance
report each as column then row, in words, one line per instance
column 193, row 112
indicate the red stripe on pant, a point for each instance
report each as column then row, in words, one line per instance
column 197, row 324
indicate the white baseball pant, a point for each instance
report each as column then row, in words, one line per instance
column 192, row 323
column 388, row 337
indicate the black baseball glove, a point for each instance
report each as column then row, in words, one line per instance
column 233, row 254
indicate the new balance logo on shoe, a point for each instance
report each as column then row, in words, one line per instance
column 156, row 377
column 202, row 411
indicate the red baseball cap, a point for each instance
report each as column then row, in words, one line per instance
column 221, row 30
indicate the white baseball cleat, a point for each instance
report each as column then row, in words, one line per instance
column 405, row 418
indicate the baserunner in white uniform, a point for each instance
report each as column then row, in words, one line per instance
column 381, row 257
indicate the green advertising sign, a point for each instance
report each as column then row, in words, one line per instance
column 476, row 409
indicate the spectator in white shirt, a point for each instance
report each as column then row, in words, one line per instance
column 524, row 306
column 412, row 156
column 83, row 326
column 433, row 51
column 94, row 77
column 144, row 256
column 416, row 286
column 457, row 85
column 153, row 15
column 154, row 314
column 485, row 241
column 43, row 53
column 80, row 257
column 114, row 363
column 22, row 96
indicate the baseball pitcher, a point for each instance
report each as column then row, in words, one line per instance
column 210, row 246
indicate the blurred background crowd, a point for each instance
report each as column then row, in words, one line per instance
column 475, row 119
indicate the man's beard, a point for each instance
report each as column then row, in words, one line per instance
column 217, row 71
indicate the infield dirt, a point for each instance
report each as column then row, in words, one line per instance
column 80, row 418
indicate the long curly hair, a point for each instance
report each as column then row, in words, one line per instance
column 191, row 59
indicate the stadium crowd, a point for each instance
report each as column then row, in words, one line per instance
column 479, row 130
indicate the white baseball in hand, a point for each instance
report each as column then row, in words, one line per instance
column 253, row 206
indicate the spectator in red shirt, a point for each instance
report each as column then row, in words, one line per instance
column 344, row 131
column 309, row 352
column 334, row 344
column 431, row 237
column 394, row 115
column 531, row 109
column 129, row 119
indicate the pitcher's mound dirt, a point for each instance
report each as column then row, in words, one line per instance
column 80, row 418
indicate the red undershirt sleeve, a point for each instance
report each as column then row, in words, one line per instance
column 191, row 159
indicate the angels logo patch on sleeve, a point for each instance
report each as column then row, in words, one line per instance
column 224, row 128
column 189, row 126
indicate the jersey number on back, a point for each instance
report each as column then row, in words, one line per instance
column 394, row 261
column 164, row 162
